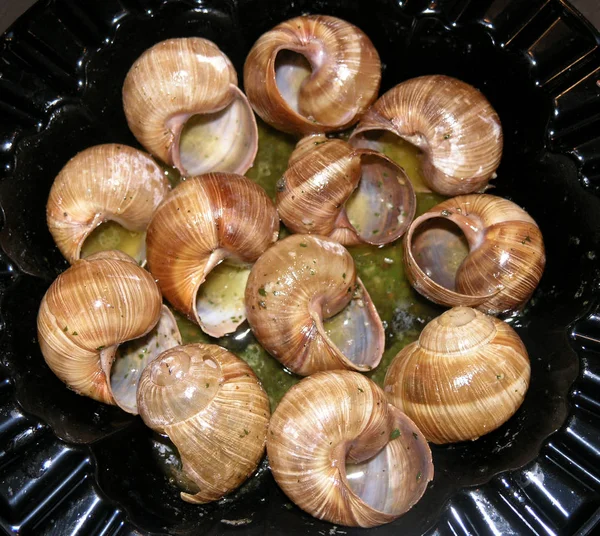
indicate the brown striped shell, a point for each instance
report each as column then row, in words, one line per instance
column 450, row 121
column 213, row 408
column 343, row 454
column 353, row 196
column 205, row 221
column 87, row 315
column 313, row 73
column 466, row 375
column 307, row 307
column 475, row 250
column 183, row 105
column 105, row 182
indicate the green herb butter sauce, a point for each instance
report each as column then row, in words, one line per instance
column 403, row 311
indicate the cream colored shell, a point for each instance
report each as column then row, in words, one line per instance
column 105, row 182
column 450, row 121
column 344, row 81
column 466, row 375
column 343, row 454
column 177, row 79
column 354, row 196
column 91, row 308
column 504, row 264
column 204, row 221
column 213, row 408
column 294, row 288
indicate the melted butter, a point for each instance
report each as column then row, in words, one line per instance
column 406, row 156
column 274, row 150
column 220, row 300
column 111, row 235
column 403, row 311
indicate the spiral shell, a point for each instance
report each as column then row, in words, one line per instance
column 450, row 121
column 307, row 307
column 204, row 221
column 342, row 453
column 312, row 73
column 503, row 264
column 105, row 182
column 89, row 310
column 351, row 195
column 213, row 408
column 466, row 375
column 182, row 103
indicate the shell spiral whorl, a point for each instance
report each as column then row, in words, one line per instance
column 307, row 307
column 206, row 220
column 342, row 453
column 313, row 73
column 213, row 408
column 503, row 264
column 466, row 375
column 450, row 121
column 183, row 105
column 92, row 307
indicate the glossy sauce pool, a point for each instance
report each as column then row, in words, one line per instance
column 403, row 311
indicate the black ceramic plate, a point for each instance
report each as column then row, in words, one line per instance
column 71, row 466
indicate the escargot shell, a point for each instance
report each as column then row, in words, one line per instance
column 450, row 121
column 313, row 73
column 342, row 453
column 102, row 183
column 205, row 221
column 87, row 315
column 183, row 105
column 352, row 195
column 307, row 307
column 498, row 269
column 466, row 375
column 213, row 408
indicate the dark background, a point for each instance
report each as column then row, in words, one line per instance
column 11, row 9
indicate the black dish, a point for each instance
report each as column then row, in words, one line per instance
column 71, row 466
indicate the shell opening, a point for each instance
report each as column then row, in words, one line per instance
column 356, row 332
column 220, row 299
column 382, row 206
column 112, row 235
column 439, row 247
column 225, row 140
column 395, row 478
column 133, row 356
column 291, row 70
column 371, row 481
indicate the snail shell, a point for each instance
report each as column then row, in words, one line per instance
column 312, row 73
column 351, row 195
column 105, row 182
column 183, row 105
column 504, row 262
column 213, row 408
column 466, row 375
column 342, row 453
column 450, row 121
column 307, row 307
column 204, row 221
column 89, row 310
